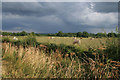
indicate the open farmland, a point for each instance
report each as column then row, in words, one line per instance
column 86, row 43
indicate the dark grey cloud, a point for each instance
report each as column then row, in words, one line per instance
column 27, row 9
column 106, row 7
column 51, row 17
column 42, row 8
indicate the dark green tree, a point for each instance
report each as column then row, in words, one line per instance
column 79, row 34
column 32, row 33
column 85, row 34
column 112, row 34
column 60, row 33
column 99, row 35
column 23, row 33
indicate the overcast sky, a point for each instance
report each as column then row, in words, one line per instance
column 51, row 17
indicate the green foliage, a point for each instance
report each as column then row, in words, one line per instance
column 23, row 33
column 112, row 35
column 85, row 34
column 113, row 49
column 30, row 40
column 32, row 33
column 51, row 47
column 99, row 35
column 5, row 39
column 16, row 42
column 79, row 34
column 60, row 33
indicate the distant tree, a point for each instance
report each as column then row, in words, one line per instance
column 99, row 35
column 4, row 33
column 79, row 34
column 32, row 33
column 18, row 34
column 60, row 33
column 49, row 34
column 66, row 34
column 85, row 34
column 14, row 34
column 92, row 35
column 69, row 34
column 112, row 34
column 23, row 33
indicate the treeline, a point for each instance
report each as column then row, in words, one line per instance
column 23, row 33
column 61, row 34
column 85, row 34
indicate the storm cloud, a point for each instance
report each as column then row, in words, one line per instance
column 51, row 17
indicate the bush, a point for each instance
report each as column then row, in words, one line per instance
column 5, row 39
column 113, row 50
column 30, row 40
column 16, row 42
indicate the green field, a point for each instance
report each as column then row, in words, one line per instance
column 85, row 42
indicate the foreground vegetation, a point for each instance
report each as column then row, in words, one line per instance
column 29, row 58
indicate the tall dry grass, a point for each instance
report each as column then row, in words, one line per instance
column 31, row 62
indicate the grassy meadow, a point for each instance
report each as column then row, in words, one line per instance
column 43, row 57
column 86, row 43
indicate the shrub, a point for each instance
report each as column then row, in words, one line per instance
column 16, row 42
column 5, row 39
column 30, row 40
column 113, row 50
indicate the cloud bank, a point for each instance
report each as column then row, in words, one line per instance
column 51, row 17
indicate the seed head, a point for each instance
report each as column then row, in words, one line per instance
column 66, row 55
